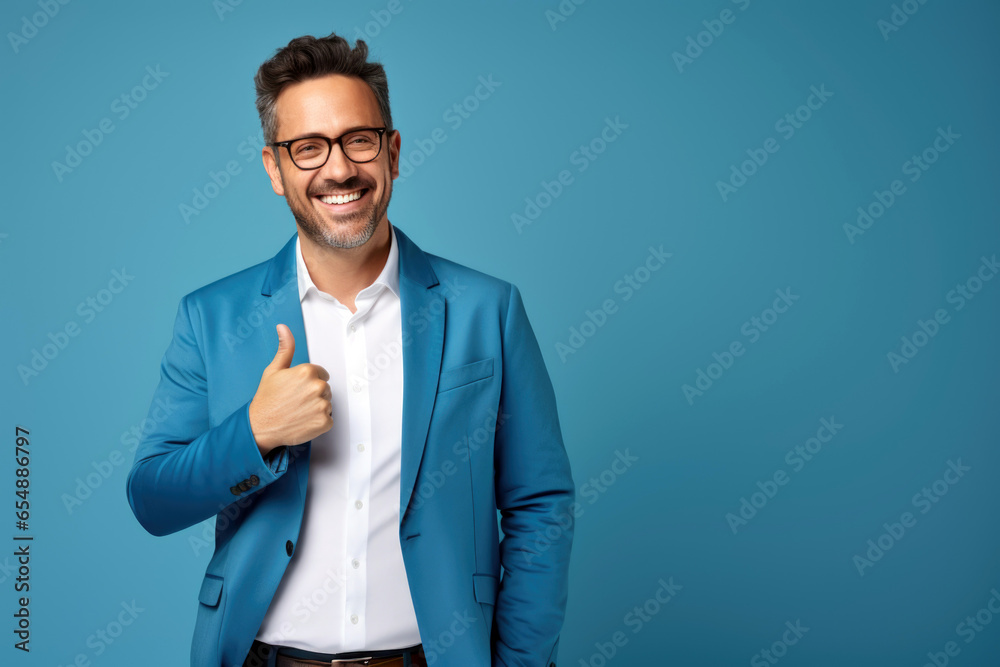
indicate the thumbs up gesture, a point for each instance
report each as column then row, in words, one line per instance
column 292, row 405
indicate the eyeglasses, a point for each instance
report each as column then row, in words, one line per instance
column 359, row 146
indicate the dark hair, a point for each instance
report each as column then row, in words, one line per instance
column 307, row 58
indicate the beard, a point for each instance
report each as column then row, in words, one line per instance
column 347, row 231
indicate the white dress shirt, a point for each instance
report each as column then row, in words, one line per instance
column 345, row 588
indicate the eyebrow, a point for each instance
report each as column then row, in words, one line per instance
column 316, row 135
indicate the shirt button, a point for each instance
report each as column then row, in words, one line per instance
column 355, row 563
column 353, row 328
column 361, row 446
column 354, row 619
column 358, row 504
column 357, row 386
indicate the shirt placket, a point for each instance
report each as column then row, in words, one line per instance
column 359, row 481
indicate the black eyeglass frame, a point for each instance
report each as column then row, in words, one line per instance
column 329, row 145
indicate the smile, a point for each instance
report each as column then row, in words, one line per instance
column 341, row 199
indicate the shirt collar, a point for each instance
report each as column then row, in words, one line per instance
column 389, row 277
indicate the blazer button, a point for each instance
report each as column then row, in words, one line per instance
column 288, row 547
column 244, row 485
column 235, row 490
column 254, row 480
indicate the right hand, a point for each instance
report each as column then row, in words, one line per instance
column 292, row 405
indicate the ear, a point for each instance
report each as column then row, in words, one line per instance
column 273, row 171
column 394, row 143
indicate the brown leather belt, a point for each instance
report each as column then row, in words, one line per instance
column 291, row 657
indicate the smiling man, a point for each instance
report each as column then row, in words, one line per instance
column 357, row 464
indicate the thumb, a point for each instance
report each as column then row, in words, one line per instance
column 286, row 349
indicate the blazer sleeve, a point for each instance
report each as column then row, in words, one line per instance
column 535, row 494
column 184, row 471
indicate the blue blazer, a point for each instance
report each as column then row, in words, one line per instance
column 480, row 434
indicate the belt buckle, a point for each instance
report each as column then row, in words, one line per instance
column 349, row 661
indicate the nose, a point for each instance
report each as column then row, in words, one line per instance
column 338, row 167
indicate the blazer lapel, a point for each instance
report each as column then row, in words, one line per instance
column 423, row 316
column 282, row 279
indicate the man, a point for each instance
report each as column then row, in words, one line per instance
column 357, row 468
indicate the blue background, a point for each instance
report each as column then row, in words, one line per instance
column 621, row 388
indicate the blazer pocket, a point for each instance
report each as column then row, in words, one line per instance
column 484, row 587
column 211, row 590
column 460, row 376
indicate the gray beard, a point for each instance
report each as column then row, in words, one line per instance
column 320, row 235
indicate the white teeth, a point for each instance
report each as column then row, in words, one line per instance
column 340, row 199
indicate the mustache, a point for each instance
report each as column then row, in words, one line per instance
column 353, row 183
